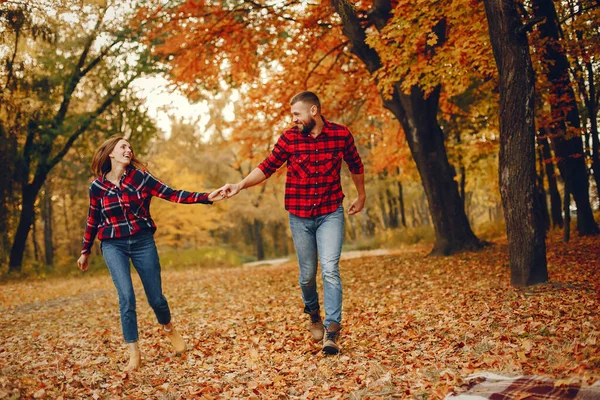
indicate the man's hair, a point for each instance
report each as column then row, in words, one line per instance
column 307, row 97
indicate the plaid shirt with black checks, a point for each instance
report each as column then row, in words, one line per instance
column 123, row 211
column 312, row 186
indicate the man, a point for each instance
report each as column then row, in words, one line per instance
column 314, row 150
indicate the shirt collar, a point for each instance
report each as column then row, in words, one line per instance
column 107, row 182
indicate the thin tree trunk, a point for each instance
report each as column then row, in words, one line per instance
column 568, row 147
column 6, row 162
column 401, row 199
column 258, row 239
column 393, row 208
column 555, row 201
column 47, row 218
column 36, row 246
column 542, row 192
column 592, row 107
column 384, row 216
column 526, row 245
column 567, row 220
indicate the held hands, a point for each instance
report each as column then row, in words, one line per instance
column 216, row 195
column 225, row 192
column 357, row 205
column 231, row 189
column 82, row 263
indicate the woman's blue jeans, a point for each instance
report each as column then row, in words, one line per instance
column 320, row 238
column 141, row 250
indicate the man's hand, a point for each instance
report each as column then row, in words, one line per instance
column 231, row 189
column 82, row 263
column 357, row 205
column 216, row 195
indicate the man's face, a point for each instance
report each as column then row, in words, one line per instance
column 303, row 116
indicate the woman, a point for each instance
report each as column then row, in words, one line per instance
column 119, row 214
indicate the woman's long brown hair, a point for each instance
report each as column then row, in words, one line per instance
column 101, row 160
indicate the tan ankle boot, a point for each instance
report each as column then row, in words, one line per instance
column 175, row 338
column 135, row 359
column 316, row 327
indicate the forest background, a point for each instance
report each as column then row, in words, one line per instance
column 76, row 72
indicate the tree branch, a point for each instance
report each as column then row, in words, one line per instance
column 355, row 32
column 321, row 60
column 528, row 26
column 380, row 13
column 76, row 76
column 86, row 124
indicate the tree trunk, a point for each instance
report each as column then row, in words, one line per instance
column 592, row 106
column 6, row 162
column 542, row 192
column 26, row 219
column 36, row 246
column 555, row 201
column 393, row 208
column 418, row 117
column 567, row 220
column 384, row 216
column 47, row 218
column 401, row 199
column 568, row 147
column 258, row 239
column 526, row 245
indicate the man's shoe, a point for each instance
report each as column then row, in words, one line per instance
column 316, row 327
column 332, row 336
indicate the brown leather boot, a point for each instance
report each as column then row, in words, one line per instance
column 135, row 359
column 316, row 327
column 332, row 336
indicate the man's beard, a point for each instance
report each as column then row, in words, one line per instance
column 306, row 128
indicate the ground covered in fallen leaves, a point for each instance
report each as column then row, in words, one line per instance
column 414, row 327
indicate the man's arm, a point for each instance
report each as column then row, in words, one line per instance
column 359, row 203
column 278, row 156
column 254, row 178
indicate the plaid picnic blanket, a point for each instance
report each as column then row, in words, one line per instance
column 526, row 387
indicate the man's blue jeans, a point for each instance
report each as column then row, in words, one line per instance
column 141, row 250
column 321, row 238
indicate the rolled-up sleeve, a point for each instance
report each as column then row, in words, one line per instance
column 278, row 156
column 352, row 157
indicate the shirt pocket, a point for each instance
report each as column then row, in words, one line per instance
column 299, row 166
column 135, row 201
column 332, row 164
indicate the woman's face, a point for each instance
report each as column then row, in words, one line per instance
column 122, row 153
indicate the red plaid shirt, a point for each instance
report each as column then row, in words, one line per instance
column 312, row 186
column 125, row 210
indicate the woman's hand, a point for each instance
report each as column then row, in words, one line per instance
column 216, row 195
column 82, row 263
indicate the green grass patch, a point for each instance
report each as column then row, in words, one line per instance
column 206, row 257
column 393, row 238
